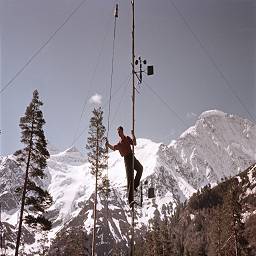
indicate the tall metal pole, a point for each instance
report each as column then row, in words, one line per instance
column 133, row 124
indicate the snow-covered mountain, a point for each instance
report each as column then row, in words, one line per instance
column 218, row 145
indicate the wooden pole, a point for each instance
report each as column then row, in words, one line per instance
column 95, row 197
column 133, row 124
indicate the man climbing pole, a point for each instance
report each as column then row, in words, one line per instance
column 124, row 147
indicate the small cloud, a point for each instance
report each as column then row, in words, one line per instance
column 191, row 115
column 96, row 99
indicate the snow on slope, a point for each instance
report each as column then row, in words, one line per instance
column 71, row 185
column 218, row 145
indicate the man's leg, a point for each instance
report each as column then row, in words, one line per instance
column 139, row 169
column 128, row 167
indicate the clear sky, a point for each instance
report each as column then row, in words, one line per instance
column 203, row 52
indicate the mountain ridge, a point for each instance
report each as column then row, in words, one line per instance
column 218, row 145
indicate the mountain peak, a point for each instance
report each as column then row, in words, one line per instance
column 211, row 113
column 71, row 156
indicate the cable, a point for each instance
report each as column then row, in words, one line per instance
column 92, row 77
column 112, row 69
column 228, row 84
column 42, row 47
column 109, row 102
column 121, row 100
column 123, row 84
column 83, row 131
column 165, row 103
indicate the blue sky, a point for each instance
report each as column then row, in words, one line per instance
column 203, row 52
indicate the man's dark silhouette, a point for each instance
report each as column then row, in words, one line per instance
column 124, row 147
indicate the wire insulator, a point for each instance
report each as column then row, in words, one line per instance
column 116, row 11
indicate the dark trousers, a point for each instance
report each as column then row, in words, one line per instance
column 139, row 169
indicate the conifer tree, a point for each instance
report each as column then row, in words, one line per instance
column 71, row 241
column 240, row 242
column 215, row 230
column 235, row 241
column 33, row 157
column 97, row 157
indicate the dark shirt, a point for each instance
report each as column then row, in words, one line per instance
column 124, row 146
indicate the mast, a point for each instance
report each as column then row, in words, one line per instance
column 133, row 124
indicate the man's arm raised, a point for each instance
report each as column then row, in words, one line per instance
column 133, row 138
column 109, row 145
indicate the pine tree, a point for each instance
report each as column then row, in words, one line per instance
column 235, row 241
column 34, row 158
column 178, row 231
column 215, row 230
column 71, row 241
column 97, row 157
column 238, row 228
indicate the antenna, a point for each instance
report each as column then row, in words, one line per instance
column 116, row 11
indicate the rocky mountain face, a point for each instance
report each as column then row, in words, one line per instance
column 219, row 145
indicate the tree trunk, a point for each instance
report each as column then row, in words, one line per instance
column 23, row 197
column 96, row 193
